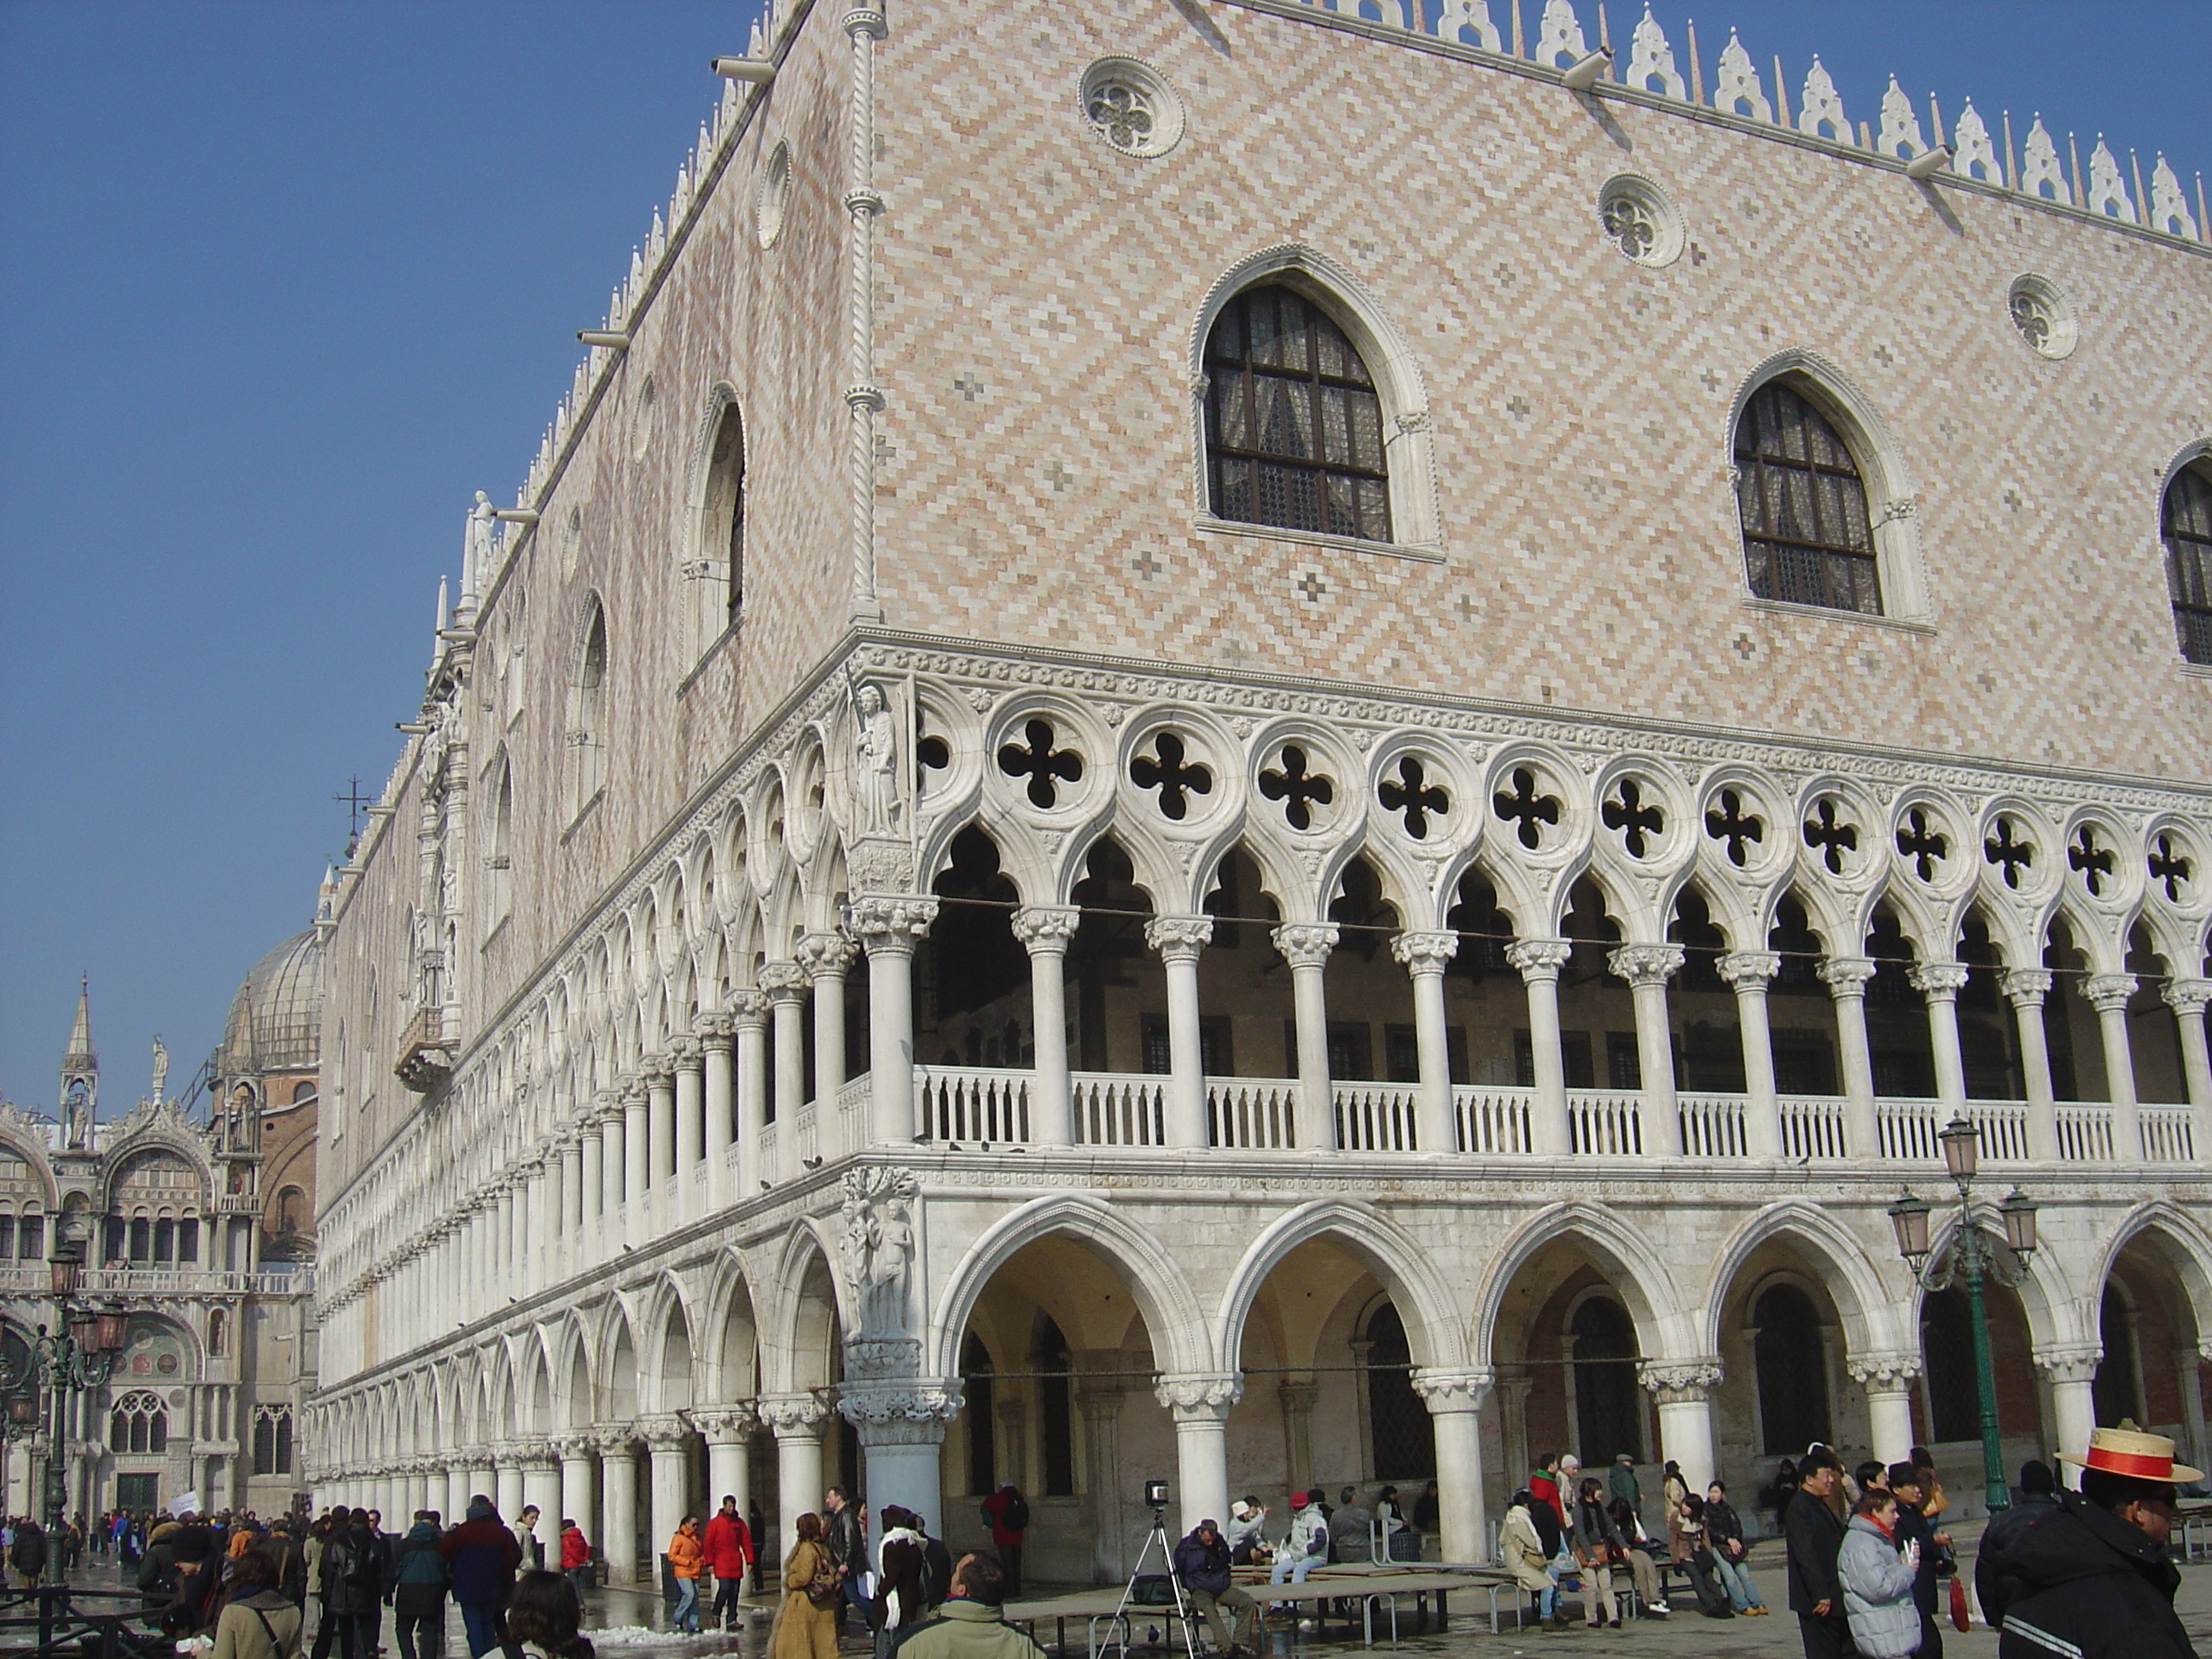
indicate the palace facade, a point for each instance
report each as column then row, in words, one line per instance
column 1276, row 746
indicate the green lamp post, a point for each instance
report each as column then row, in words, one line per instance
column 1972, row 1260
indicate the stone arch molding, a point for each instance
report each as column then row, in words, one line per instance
column 1409, row 443
column 1435, row 1325
column 1865, row 1306
column 1182, row 1341
column 1892, row 496
column 1643, row 1280
column 2190, row 1256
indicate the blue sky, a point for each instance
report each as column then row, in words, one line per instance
column 286, row 283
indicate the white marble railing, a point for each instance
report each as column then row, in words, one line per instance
column 1604, row 1123
column 2169, row 1134
column 1115, row 1108
column 964, row 1105
column 973, row 1106
column 1493, row 1120
column 1252, row 1111
column 1375, row 1117
column 132, row 1281
column 1812, row 1127
column 1713, row 1125
column 2085, row 1134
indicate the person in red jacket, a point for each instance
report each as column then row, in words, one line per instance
column 575, row 1557
column 1008, row 1512
column 729, row 1554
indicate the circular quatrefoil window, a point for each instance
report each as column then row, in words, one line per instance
column 1131, row 106
column 1641, row 220
column 2042, row 315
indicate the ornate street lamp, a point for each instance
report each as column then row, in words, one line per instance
column 1971, row 1259
column 79, row 1355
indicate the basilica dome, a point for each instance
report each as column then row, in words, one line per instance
column 275, row 1021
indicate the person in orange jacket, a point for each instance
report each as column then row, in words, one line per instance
column 687, row 1560
column 729, row 1544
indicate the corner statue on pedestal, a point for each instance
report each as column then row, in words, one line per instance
column 877, row 1249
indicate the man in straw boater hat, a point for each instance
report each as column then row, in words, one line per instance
column 2089, row 1577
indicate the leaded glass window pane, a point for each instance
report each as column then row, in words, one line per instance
column 2187, row 533
column 1807, row 537
column 1293, row 425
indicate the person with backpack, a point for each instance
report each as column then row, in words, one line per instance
column 28, row 1555
column 729, row 1552
column 936, row 1568
column 576, row 1558
column 353, row 1583
column 419, row 1582
column 1006, row 1512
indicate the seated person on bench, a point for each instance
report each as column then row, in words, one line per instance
column 1201, row 1561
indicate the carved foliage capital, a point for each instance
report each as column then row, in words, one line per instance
column 2108, row 993
column 1192, row 1395
column 826, row 956
column 1461, row 1389
column 1645, row 964
column 1305, row 943
column 2187, row 996
column 1424, row 953
column 892, row 924
column 1043, row 928
column 792, row 1416
column 1179, row 938
column 1940, row 981
column 1847, row 976
column 1749, row 968
column 783, row 982
column 1675, row 1382
column 725, row 1423
column 748, row 1008
column 2071, row 1362
column 2026, row 985
column 663, row 1432
column 1883, row 1373
column 1540, row 958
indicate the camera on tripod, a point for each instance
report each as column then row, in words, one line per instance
column 1156, row 1494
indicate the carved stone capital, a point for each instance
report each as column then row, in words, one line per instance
column 2108, row 994
column 1847, row 976
column 1939, row 982
column 683, row 1054
column 1453, row 1389
column 748, row 1008
column 1675, row 1382
column 792, row 1416
column 614, row 1439
column 658, row 1070
column 571, row 1447
column 1196, row 1396
column 1424, row 952
column 2026, row 987
column 1297, row 1397
column 2187, row 996
column 1645, row 964
column 716, row 1033
column 826, row 956
column 1045, row 929
column 783, row 982
column 722, row 1425
column 665, row 1432
column 1749, row 970
column 1883, row 1373
column 892, row 924
column 1179, row 939
column 2071, row 1362
column 1305, row 943
column 1538, row 958
column 910, row 1414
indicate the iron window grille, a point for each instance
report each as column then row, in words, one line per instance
column 1806, row 538
column 2187, row 529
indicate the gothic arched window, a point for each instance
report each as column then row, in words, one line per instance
column 1791, row 1363
column 1294, row 434
column 1806, row 536
column 1608, row 1404
column 499, row 885
column 1399, row 1425
column 722, row 517
column 139, row 1423
column 588, row 705
column 291, row 1210
column 2186, row 526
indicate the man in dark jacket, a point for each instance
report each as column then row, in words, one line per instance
column 1815, row 1538
column 847, row 1544
column 1201, row 1562
column 2089, row 1577
column 2037, row 1485
column 1903, row 1481
column 28, row 1557
column 419, row 1581
column 481, row 1556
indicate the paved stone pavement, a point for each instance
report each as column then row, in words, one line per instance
column 630, row 1623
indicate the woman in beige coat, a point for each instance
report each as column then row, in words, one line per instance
column 803, row 1630
column 259, row 1621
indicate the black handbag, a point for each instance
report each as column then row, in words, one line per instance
column 1152, row 1590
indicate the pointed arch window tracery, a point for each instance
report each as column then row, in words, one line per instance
column 1807, row 538
column 2185, row 528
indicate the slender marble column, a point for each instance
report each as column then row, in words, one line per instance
column 728, row 1430
column 667, row 1439
column 1201, row 1402
column 1940, row 982
column 2026, row 988
column 2187, row 998
column 1179, row 939
column 689, row 1059
column 633, row 1161
column 1747, row 972
column 2072, row 1369
column 784, row 984
column 1424, row 957
column 1539, row 962
column 826, row 959
column 1454, row 1402
column 796, row 1420
column 1044, row 930
column 661, row 1127
column 1887, row 1380
column 619, row 1477
column 1847, row 978
column 1684, row 1393
column 718, row 1038
column 1305, row 945
column 891, row 927
column 2108, row 994
column 1647, row 968
column 749, row 1010
column 578, row 1482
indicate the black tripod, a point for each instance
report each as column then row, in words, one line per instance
column 1118, row 1627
